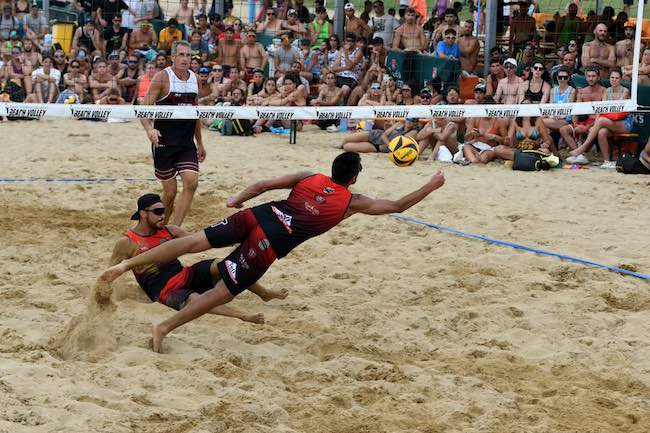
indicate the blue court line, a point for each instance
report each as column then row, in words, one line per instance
column 521, row 247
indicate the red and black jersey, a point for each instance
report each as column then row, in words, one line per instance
column 315, row 205
column 153, row 278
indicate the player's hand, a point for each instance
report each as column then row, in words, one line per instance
column 438, row 179
column 201, row 153
column 154, row 136
column 234, row 202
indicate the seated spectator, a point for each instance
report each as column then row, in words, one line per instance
column 606, row 125
column 405, row 96
column 496, row 74
column 100, row 81
column 272, row 26
column 75, row 84
column 195, row 63
column 86, row 37
column 372, row 95
column 35, row 25
column 30, row 55
column 448, row 48
column 255, row 87
column 526, row 54
column 523, row 29
column 219, row 84
column 390, row 90
column 599, row 52
column 143, row 39
column 353, row 24
column 161, row 61
column 296, row 69
column 205, row 91
column 198, row 47
column 18, row 72
column 528, row 133
column 536, row 88
column 111, row 97
column 320, row 28
column 45, row 82
column 508, row 89
column 235, row 82
column 347, row 65
column 315, row 61
column 329, row 95
column 644, row 68
column 568, row 26
column 562, row 93
column 185, row 15
column 482, row 136
column 479, row 96
column 376, row 140
column 115, row 67
column 269, row 96
column 374, row 73
column 144, row 81
column 291, row 94
column 284, row 56
column 21, row 9
column 304, row 16
column 170, row 34
column 383, row 25
column 252, row 54
column 8, row 22
column 115, row 37
column 128, row 79
column 293, row 26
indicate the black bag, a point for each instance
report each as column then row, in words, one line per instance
column 530, row 160
column 629, row 164
column 242, row 127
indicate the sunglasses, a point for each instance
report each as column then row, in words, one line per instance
column 450, row 37
column 270, row 14
column 115, row 100
column 508, row 67
column 562, row 77
column 217, row 69
column 156, row 211
column 538, row 68
column 406, row 90
column 425, row 97
column 74, row 66
column 375, row 87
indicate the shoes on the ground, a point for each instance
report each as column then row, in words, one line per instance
column 580, row 159
column 332, row 128
column 608, row 164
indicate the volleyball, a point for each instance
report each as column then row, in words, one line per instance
column 403, row 150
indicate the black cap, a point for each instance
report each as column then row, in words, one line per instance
column 144, row 202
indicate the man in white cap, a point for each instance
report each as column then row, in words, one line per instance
column 508, row 87
column 354, row 24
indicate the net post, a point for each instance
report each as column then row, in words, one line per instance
column 637, row 54
column 292, row 132
column 490, row 34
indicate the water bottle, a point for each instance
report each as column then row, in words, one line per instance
column 343, row 125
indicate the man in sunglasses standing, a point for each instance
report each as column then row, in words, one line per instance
column 173, row 284
column 177, row 145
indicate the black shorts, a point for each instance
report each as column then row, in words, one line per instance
column 249, row 261
column 168, row 161
column 345, row 81
column 195, row 279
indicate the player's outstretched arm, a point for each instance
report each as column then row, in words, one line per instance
column 163, row 253
column 257, row 188
column 370, row 206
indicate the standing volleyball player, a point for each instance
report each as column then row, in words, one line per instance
column 173, row 141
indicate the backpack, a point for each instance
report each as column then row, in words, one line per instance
column 532, row 160
column 630, row 164
column 241, row 127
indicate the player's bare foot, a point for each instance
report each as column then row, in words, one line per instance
column 111, row 274
column 157, row 336
column 254, row 318
column 274, row 294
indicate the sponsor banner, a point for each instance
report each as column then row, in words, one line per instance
column 79, row 111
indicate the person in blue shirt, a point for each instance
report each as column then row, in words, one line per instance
column 447, row 48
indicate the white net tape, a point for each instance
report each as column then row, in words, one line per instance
column 308, row 113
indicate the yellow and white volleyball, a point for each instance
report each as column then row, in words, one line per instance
column 403, row 150
column 70, row 100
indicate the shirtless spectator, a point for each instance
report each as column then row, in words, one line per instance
column 508, row 89
column 161, row 62
column 383, row 25
column 625, row 48
column 205, row 91
column 291, row 95
column 185, row 15
column 410, row 35
column 285, row 56
column 293, row 26
column 252, row 55
column 115, row 67
column 235, row 82
column 228, row 51
column 599, row 52
column 30, row 55
column 373, row 95
column 469, row 47
column 218, row 83
column 143, row 38
column 272, row 25
column 354, row 24
column 112, row 97
column 482, row 136
column 450, row 22
column 101, row 81
column 644, row 68
column 329, row 93
column 581, row 123
column 523, row 29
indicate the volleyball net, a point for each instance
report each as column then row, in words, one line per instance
column 252, row 9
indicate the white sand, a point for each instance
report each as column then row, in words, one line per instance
column 389, row 327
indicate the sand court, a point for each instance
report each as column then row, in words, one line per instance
column 388, row 327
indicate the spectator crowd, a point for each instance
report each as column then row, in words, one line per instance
column 291, row 56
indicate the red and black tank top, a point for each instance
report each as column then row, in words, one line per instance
column 152, row 278
column 178, row 132
column 315, row 205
